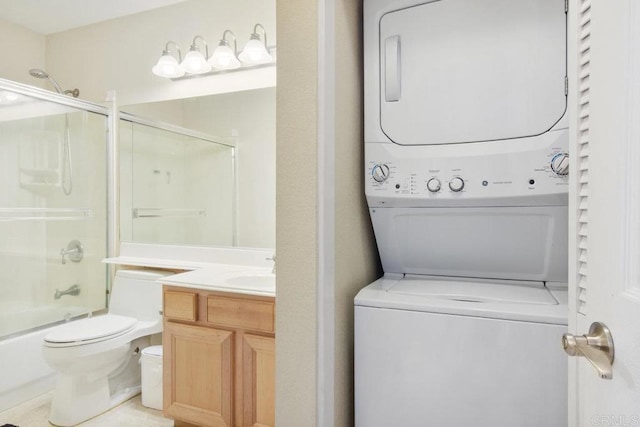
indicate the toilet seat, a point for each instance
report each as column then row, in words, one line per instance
column 89, row 330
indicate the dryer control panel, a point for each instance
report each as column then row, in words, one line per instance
column 426, row 176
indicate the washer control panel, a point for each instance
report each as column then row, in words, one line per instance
column 515, row 174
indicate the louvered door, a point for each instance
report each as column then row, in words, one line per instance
column 604, row 103
column 582, row 150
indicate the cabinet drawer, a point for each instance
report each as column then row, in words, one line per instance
column 181, row 305
column 241, row 313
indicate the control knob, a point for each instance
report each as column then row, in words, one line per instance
column 560, row 164
column 380, row 172
column 456, row 184
column 433, row 185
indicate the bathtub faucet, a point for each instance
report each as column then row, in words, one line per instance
column 75, row 252
column 73, row 290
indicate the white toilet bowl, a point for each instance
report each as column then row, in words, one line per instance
column 97, row 358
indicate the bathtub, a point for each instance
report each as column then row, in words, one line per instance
column 23, row 372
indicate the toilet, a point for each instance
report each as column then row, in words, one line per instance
column 96, row 358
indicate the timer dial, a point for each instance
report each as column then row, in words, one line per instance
column 456, row 184
column 380, row 172
column 433, row 185
column 560, row 164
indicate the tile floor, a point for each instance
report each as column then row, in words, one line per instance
column 131, row 413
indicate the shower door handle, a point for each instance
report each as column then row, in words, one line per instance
column 596, row 347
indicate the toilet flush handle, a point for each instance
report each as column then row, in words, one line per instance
column 596, row 347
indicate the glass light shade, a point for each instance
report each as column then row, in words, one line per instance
column 223, row 58
column 195, row 63
column 255, row 52
column 168, row 66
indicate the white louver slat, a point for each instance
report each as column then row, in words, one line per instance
column 584, row 71
column 584, row 151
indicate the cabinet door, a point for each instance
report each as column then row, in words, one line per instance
column 198, row 374
column 258, row 377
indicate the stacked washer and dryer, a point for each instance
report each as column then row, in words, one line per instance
column 466, row 169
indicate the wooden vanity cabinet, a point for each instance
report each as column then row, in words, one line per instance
column 219, row 358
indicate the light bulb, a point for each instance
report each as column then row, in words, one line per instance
column 195, row 63
column 223, row 58
column 168, row 66
column 255, row 52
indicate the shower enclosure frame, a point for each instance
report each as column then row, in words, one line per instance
column 22, row 382
column 113, row 115
column 112, row 157
column 26, row 383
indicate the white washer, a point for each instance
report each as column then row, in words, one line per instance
column 466, row 180
column 432, row 352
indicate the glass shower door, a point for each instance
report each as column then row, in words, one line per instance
column 53, row 208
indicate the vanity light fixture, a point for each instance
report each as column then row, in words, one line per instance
column 256, row 52
column 168, row 65
column 194, row 62
column 223, row 57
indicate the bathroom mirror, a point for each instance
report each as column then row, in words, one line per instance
column 213, row 185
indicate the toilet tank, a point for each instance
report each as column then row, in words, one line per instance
column 137, row 293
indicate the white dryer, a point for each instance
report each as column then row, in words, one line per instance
column 466, row 178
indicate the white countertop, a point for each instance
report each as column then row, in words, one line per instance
column 236, row 270
column 172, row 264
column 216, row 277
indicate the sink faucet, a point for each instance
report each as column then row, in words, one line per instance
column 273, row 258
column 73, row 290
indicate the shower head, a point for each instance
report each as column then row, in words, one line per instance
column 42, row 74
column 38, row 73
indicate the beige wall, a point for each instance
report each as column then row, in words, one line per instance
column 296, row 213
column 22, row 49
column 356, row 260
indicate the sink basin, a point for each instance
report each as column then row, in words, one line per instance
column 253, row 280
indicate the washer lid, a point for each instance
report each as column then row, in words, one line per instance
column 491, row 299
column 91, row 329
column 476, row 291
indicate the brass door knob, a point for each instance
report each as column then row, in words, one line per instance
column 596, row 347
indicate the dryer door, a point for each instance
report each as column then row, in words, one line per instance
column 455, row 71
